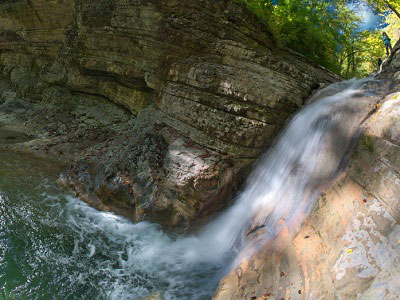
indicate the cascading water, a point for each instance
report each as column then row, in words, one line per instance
column 53, row 246
column 283, row 187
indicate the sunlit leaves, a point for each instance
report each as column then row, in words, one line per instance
column 393, row 28
column 317, row 29
column 368, row 48
column 385, row 5
column 328, row 32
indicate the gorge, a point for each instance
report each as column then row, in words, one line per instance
column 158, row 111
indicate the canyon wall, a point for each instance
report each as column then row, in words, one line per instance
column 349, row 247
column 159, row 106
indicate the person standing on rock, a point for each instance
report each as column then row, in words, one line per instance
column 386, row 41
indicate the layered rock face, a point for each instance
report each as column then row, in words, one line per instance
column 160, row 105
column 349, row 248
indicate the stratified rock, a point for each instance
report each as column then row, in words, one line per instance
column 206, row 87
column 349, row 248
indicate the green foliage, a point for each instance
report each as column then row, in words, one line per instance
column 10, row 295
column 393, row 28
column 315, row 28
column 360, row 58
column 368, row 143
column 368, row 47
column 382, row 6
column 328, row 31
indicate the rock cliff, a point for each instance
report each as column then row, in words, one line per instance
column 349, row 248
column 160, row 107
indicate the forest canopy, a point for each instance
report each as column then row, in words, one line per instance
column 330, row 32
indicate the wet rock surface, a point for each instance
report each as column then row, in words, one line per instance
column 349, row 247
column 159, row 106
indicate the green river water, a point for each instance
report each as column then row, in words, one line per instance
column 53, row 246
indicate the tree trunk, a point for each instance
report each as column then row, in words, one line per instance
column 341, row 62
column 392, row 8
column 348, row 68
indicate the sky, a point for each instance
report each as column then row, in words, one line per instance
column 370, row 20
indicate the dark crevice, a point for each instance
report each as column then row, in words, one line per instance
column 128, row 82
column 82, row 92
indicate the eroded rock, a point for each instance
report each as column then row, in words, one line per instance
column 349, row 246
column 196, row 91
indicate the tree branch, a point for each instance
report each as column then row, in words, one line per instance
column 392, row 8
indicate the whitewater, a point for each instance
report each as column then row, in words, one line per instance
column 77, row 251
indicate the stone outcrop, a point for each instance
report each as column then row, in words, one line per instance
column 349, row 248
column 161, row 106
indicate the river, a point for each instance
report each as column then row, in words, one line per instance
column 54, row 246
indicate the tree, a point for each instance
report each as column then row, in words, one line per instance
column 382, row 6
column 393, row 28
column 314, row 28
column 328, row 31
column 391, row 6
column 367, row 48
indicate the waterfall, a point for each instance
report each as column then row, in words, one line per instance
column 77, row 251
column 287, row 180
column 279, row 194
column 285, row 184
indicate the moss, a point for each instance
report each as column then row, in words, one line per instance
column 368, row 144
column 323, row 197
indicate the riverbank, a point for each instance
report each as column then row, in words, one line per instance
column 348, row 247
column 54, row 246
column 159, row 108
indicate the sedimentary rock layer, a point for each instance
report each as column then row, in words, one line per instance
column 204, row 83
column 349, row 247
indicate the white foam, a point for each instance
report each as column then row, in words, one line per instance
column 133, row 260
column 280, row 188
